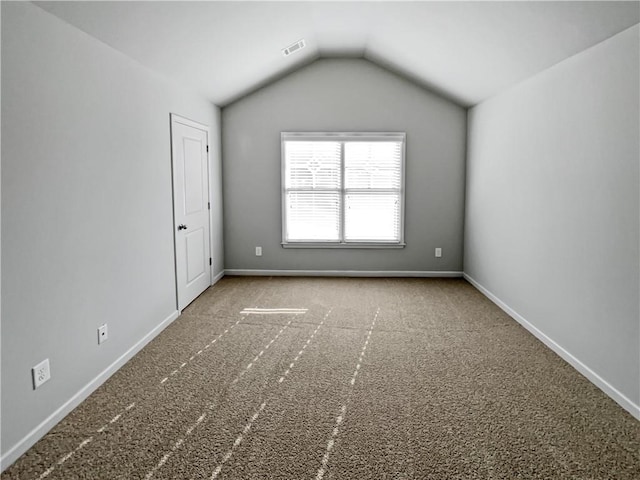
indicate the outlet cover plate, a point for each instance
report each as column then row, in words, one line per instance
column 103, row 334
column 41, row 373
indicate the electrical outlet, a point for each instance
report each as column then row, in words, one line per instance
column 41, row 373
column 438, row 252
column 258, row 251
column 103, row 335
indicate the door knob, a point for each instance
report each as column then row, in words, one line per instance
column 182, row 227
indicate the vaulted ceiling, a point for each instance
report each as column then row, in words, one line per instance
column 466, row 51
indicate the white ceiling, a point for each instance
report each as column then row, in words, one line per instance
column 467, row 51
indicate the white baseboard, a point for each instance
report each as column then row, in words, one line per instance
column 576, row 363
column 217, row 278
column 37, row 433
column 342, row 273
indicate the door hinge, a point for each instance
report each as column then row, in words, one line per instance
column 207, row 148
column 209, row 260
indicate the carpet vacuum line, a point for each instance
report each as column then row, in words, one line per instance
column 343, row 409
column 257, row 357
column 257, row 413
column 208, row 345
column 199, row 352
column 85, row 442
column 180, row 441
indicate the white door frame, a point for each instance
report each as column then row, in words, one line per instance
column 175, row 118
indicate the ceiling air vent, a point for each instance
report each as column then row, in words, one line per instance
column 299, row 45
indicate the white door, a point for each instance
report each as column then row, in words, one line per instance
column 189, row 145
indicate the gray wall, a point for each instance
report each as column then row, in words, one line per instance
column 86, row 208
column 344, row 95
column 552, row 214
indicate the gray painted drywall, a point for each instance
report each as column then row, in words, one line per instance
column 344, row 95
column 86, row 208
column 552, row 213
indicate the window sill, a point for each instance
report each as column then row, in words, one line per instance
column 342, row 245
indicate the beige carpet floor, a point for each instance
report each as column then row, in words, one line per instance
column 378, row 379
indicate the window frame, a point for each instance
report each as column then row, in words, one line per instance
column 342, row 137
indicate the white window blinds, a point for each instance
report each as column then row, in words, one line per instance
column 343, row 189
column 313, row 184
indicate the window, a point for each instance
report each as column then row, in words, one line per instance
column 342, row 189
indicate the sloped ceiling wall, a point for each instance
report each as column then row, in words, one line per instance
column 466, row 51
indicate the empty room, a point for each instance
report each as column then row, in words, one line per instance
column 320, row 240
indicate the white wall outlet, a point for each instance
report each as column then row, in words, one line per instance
column 41, row 373
column 258, row 251
column 103, row 334
column 438, row 252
